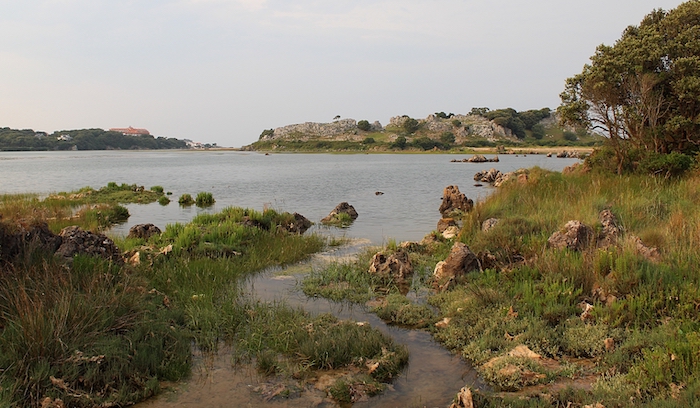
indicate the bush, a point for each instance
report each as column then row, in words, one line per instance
column 538, row 131
column 399, row 143
column 364, row 125
column 164, row 200
column 456, row 123
column 410, row 125
column 157, row 189
column 204, row 199
column 668, row 165
column 368, row 140
column 185, row 199
column 447, row 138
column 570, row 136
column 267, row 132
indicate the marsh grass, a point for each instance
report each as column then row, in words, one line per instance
column 646, row 309
column 204, row 199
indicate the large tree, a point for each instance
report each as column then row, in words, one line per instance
column 644, row 91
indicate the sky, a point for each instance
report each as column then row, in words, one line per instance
column 222, row 71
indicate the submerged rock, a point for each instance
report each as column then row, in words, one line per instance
column 299, row 225
column 396, row 266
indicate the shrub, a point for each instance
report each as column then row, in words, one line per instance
column 368, row 140
column 447, row 138
column 267, row 132
column 399, row 143
column 204, row 199
column 668, row 165
column 186, row 199
column 157, row 189
column 538, row 131
column 410, row 125
column 456, row 123
column 164, row 200
column 364, row 125
column 570, row 136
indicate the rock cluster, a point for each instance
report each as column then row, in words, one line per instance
column 454, row 201
column 477, row 158
column 76, row 241
column 497, row 178
column 35, row 237
column 575, row 236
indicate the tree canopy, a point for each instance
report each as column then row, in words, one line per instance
column 644, row 91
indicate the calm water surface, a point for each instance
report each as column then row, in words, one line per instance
column 310, row 184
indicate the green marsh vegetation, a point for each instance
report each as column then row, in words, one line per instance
column 638, row 346
column 204, row 199
column 97, row 333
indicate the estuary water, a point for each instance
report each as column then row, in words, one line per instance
column 310, row 184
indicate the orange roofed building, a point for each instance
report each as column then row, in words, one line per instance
column 130, row 131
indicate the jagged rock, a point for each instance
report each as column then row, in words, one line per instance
column 450, row 232
column 460, row 261
column 610, row 231
column 396, row 266
column 650, row 253
column 445, row 223
column 487, row 176
column 575, row 236
column 429, row 240
column 343, row 207
column 586, row 311
column 488, row 224
column 454, row 201
column 464, row 399
column 524, row 352
column 144, row 231
column 77, row 241
column 298, row 226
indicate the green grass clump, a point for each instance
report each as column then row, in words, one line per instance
column 400, row 311
column 157, row 189
column 185, row 199
column 341, row 220
column 204, row 199
column 164, row 200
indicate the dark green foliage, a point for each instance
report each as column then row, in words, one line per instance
column 164, row 200
column 399, row 143
column 267, row 132
column 410, row 125
column 479, row 111
column 157, row 189
column 83, row 139
column 667, row 165
column 368, row 140
column 186, row 199
column 538, row 131
column 569, row 135
column 426, row 143
column 443, row 115
column 364, row 125
column 456, row 123
column 447, row 138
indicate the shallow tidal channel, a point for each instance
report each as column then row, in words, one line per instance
column 432, row 378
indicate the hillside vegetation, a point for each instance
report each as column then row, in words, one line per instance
column 82, row 139
column 440, row 131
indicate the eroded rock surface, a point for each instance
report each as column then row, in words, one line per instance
column 343, row 207
column 575, row 236
column 454, row 201
column 396, row 266
column 78, row 241
column 460, row 261
column 144, row 231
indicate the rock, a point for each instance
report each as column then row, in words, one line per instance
column 396, row 266
column 144, row 231
column 587, row 310
column 488, row 224
column 343, row 207
column 443, row 323
column 298, row 226
column 460, row 261
column 445, row 223
column 575, row 236
column 77, row 241
column 454, row 201
column 610, row 231
column 464, row 399
column 450, row 232
column 430, row 240
column 650, row 253
column 524, row 352
column 488, row 176
column 378, row 193
column 37, row 237
column 609, row 344
column 135, row 259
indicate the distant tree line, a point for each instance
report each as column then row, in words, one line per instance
column 82, row 139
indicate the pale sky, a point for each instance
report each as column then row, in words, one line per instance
column 222, row 71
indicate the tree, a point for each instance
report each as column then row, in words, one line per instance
column 644, row 91
column 447, row 138
column 538, row 131
column 364, row 125
column 410, row 125
column 400, row 143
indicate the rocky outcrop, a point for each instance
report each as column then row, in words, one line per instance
column 342, row 208
column 445, row 223
column 144, row 231
column 78, row 241
column 477, row 158
column 298, row 226
column 453, row 201
column 313, row 130
column 460, row 261
column 650, row 253
column 611, row 231
column 575, row 236
column 488, row 176
column 464, row 399
column 396, row 266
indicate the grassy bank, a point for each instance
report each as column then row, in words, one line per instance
column 97, row 333
column 637, row 346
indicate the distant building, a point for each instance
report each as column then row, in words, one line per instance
column 130, row 131
column 65, row 138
